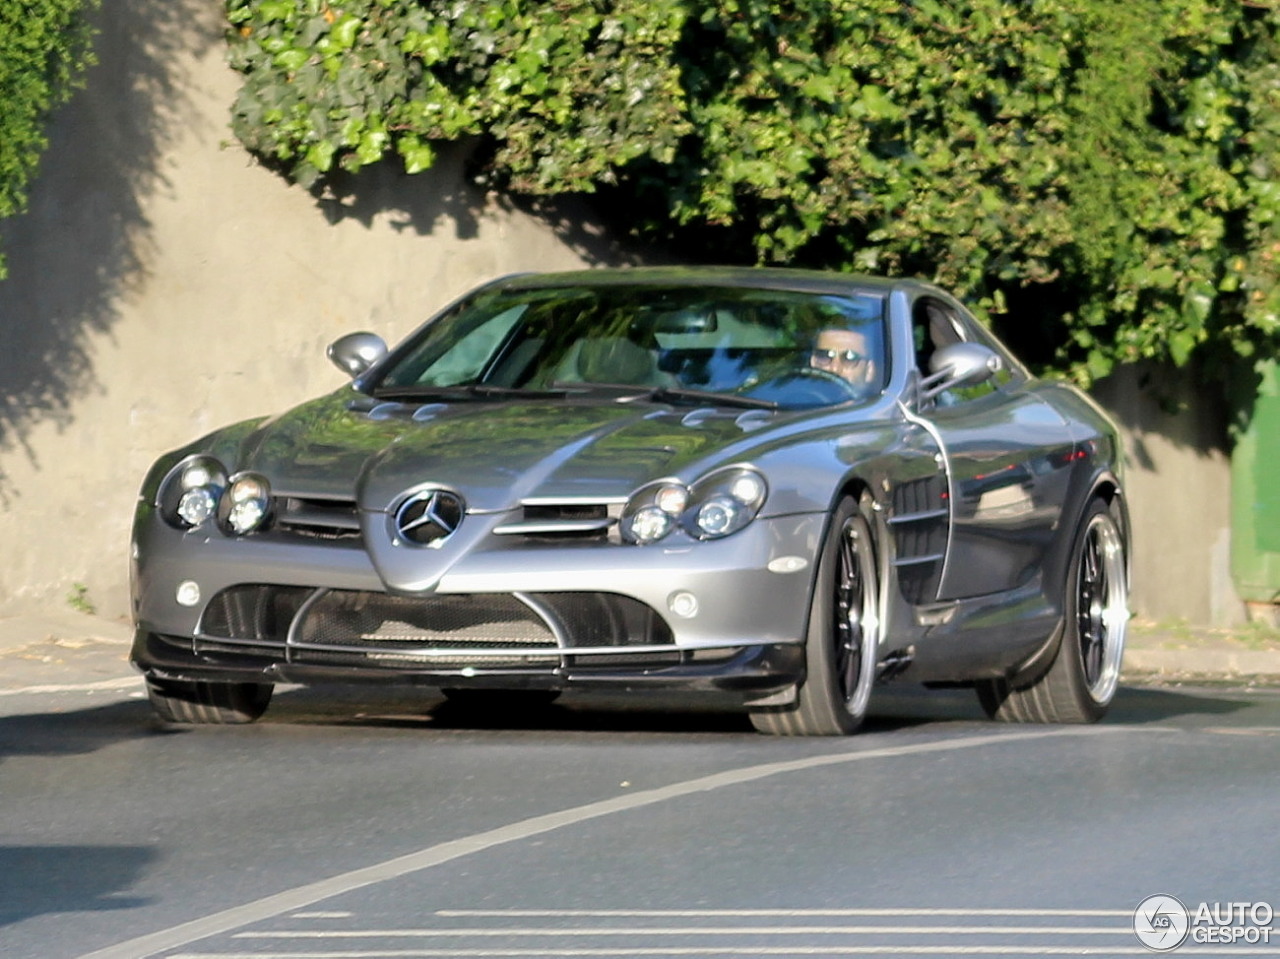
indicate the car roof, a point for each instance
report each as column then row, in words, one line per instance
column 745, row 277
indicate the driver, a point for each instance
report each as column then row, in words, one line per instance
column 846, row 354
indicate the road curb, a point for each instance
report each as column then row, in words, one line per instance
column 1216, row 662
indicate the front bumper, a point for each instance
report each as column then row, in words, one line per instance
column 723, row 615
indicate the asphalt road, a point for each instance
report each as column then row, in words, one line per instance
column 369, row 825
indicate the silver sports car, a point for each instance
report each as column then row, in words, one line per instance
column 786, row 486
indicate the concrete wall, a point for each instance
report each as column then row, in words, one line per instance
column 162, row 284
column 1179, row 487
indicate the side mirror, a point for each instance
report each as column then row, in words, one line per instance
column 356, row 352
column 960, row 364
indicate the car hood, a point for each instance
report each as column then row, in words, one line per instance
column 496, row 453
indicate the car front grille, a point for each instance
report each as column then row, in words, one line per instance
column 561, row 521
column 392, row 629
column 481, row 631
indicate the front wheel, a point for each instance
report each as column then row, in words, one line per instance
column 844, row 634
column 188, row 701
column 1082, row 680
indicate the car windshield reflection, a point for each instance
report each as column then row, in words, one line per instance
column 747, row 348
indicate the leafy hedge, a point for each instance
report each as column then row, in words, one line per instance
column 1097, row 176
column 44, row 47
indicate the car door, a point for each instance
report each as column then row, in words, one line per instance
column 1007, row 454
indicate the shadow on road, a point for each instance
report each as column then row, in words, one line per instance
column 74, row 732
column 86, row 730
column 893, row 707
column 36, row 880
column 1148, row 704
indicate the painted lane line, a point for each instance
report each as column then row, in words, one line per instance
column 102, row 684
column 603, row 932
column 755, row 913
column 735, row 952
column 306, row 895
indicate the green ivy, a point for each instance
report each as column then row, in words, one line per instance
column 1095, row 177
column 44, row 48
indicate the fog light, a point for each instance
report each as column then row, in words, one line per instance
column 188, row 593
column 684, row 605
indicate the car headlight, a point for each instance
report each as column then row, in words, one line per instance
column 720, row 503
column 653, row 512
column 190, row 494
column 245, row 504
column 724, row 502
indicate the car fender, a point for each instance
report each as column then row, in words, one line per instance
column 1105, row 485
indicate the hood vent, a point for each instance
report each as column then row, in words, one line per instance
column 317, row 518
column 564, row 519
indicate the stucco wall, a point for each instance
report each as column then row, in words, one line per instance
column 163, row 284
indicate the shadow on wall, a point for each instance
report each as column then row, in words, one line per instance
column 83, row 244
column 448, row 194
column 1175, row 404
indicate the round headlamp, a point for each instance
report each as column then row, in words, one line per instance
column 197, row 505
column 192, row 492
column 724, row 502
column 246, row 503
column 653, row 512
column 718, row 516
column 648, row 525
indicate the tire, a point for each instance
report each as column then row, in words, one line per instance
column 843, row 634
column 185, row 701
column 1081, row 682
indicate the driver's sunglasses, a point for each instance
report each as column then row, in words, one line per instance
column 843, row 356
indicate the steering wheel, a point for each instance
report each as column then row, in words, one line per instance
column 807, row 386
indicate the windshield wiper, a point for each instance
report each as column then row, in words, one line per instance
column 669, row 394
column 676, row 394
column 466, row 391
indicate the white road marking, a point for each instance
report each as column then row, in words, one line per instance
column 300, row 897
column 760, row 913
column 323, row 915
column 129, row 682
column 605, row 932
column 731, row 952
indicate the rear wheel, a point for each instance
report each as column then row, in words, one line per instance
column 186, row 701
column 843, row 637
column 1081, row 682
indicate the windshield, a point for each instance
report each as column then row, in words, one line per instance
column 763, row 347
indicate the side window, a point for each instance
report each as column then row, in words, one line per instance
column 933, row 326
column 936, row 324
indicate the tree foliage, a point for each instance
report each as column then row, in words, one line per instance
column 1097, row 177
column 44, row 48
